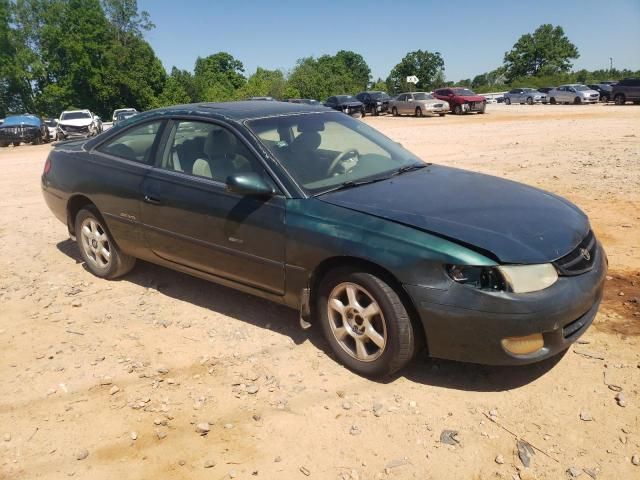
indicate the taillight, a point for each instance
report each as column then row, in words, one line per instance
column 47, row 165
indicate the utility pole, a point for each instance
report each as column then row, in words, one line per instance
column 611, row 64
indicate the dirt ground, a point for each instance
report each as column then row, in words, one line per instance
column 104, row 380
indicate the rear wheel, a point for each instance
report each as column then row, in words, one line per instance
column 394, row 111
column 365, row 322
column 102, row 256
column 16, row 144
column 577, row 101
column 441, row 114
column 457, row 109
column 619, row 99
column 418, row 112
column 604, row 98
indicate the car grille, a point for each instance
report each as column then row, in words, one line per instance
column 437, row 105
column 575, row 327
column 581, row 259
column 75, row 129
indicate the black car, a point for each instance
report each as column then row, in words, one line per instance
column 346, row 104
column 603, row 89
column 25, row 128
column 315, row 210
column 374, row 103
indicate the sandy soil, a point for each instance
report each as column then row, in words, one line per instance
column 103, row 380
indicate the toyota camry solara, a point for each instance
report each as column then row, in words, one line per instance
column 315, row 210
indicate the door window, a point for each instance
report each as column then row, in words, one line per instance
column 135, row 144
column 207, row 150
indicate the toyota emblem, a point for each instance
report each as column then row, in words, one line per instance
column 585, row 254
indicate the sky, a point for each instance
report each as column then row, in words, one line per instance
column 472, row 36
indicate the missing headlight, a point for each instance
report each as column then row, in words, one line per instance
column 483, row 278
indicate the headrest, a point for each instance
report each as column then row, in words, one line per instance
column 311, row 123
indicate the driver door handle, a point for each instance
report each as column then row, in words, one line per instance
column 152, row 200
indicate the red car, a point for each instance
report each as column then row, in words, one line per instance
column 461, row 100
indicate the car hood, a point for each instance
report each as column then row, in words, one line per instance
column 432, row 101
column 350, row 104
column 470, row 98
column 513, row 222
column 78, row 122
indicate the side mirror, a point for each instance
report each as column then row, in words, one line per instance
column 249, row 184
column 410, row 99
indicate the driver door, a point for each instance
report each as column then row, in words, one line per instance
column 191, row 219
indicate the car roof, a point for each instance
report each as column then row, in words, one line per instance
column 243, row 110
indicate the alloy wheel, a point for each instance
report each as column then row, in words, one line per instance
column 95, row 243
column 357, row 322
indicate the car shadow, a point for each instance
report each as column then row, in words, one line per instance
column 283, row 320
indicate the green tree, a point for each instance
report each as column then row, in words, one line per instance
column 546, row 51
column 357, row 68
column 379, row 84
column 126, row 19
column 218, row 76
column 187, row 82
column 425, row 65
column 173, row 93
column 264, row 83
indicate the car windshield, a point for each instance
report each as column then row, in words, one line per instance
column 379, row 95
column 529, row 90
column 581, row 88
column 345, row 98
column 22, row 120
column 75, row 115
column 124, row 116
column 322, row 151
column 422, row 96
column 51, row 123
column 465, row 92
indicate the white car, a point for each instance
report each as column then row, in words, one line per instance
column 573, row 93
column 52, row 125
column 77, row 123
column 120, row 110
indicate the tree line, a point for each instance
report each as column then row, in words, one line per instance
column 61, row 54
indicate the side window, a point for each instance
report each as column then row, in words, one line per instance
column 207, row 150
column 331, row 100
column 134, row 144
column 402, row 98
column 634, row 82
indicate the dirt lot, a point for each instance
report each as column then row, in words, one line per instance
column 122, row 372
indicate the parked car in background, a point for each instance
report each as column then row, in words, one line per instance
column 461, row 100
column 626, row 90
column 346, row 104
column 418, row 104
column 76, row 123
column 603, row 89
column 524, row 95
column 122, row 116
column 317, row 211
column 575, row 93
column 98, row 122
column 52, row 126
column 17, row 129
column 374, row 103
column 118, row 110
column 306, row 101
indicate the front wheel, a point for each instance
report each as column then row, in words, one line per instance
column 529, row 101
column 457, row 110
column 418, row 112
column 365, row 322
column 102, row 256
column 441, row 114
column 619, row 99
column 577, row 101
column 507, row 101
column 394, row 111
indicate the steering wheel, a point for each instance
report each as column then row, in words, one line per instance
column 342, row 156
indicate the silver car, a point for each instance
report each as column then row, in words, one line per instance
column 573, row 93
column 418, row 104
column 524, row 95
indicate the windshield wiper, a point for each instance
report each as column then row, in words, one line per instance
column 409, row 168
column 350, row 184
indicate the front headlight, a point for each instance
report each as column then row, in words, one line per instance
column 509, row 278
column 528, row 278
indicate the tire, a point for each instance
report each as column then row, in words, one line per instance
column 375, row 111
column 577, row 101
column 16, row 144
column 507, row 101
column 441, row 114
column 418, row 112
column 394, row 111
column 552, row 101
column 457, row 109
column 604, row 98
column 619, row 99
column 529, row 101
column 391, row 324
column 94, row 239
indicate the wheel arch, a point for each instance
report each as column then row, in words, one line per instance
column 74, row 205
column 347, row 261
